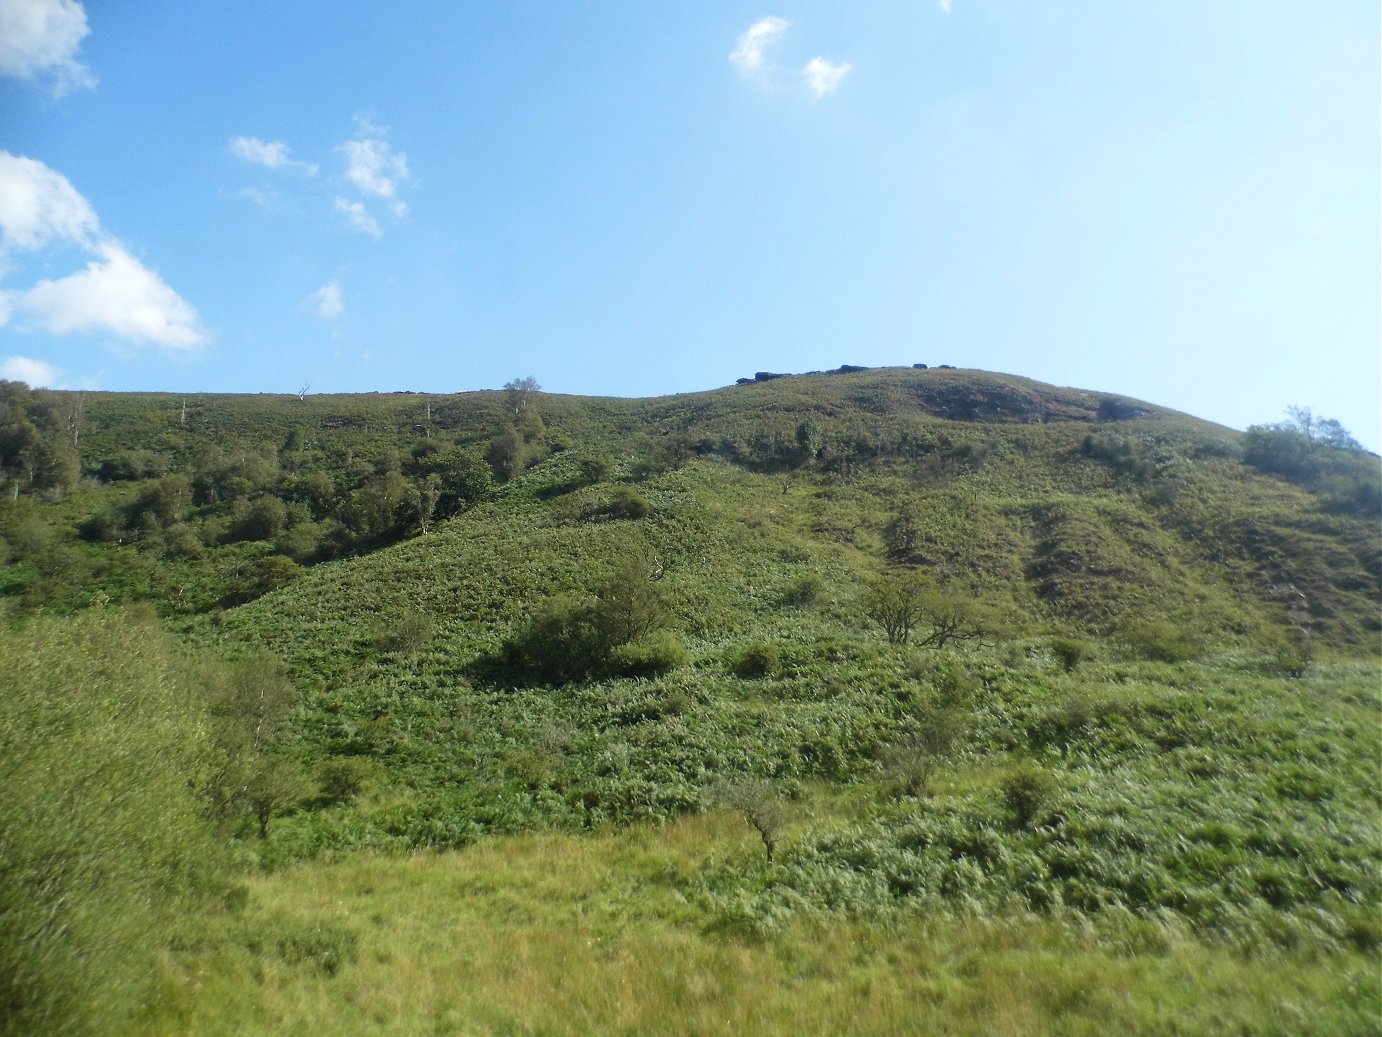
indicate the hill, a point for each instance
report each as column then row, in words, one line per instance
column 952, row 644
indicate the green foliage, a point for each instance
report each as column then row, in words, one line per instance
column 506, row 455
column 654, row 654
column 572, row 636
column 1069, row 651
column 627, row 503
column 756, row 660
column 1162, row 642
column 1320, row 454
column 761, row 807
column 1027, row 791
column 410, row 634
column 903, row 603
column 102, row 739
column 342, row 779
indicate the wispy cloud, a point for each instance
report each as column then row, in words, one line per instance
column 359, row 217
column 824, row 77
column 115, row 293
column 372, row 165
column 326, row 300
column 947, row 5
column 748, row 53
column 39, row 39
column 272, row 154
column 37, row 374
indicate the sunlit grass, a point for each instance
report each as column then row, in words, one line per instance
column 569, row 934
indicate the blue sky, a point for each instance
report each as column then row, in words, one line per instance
column 1176, row 201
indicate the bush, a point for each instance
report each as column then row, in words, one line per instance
column 1027, row 791
column 1291, row 654
column 804, row 590
column 102, row 742
column 1069, row 651
column 559, row 642
column 759, row 659
column 343, row 778
column 659, row 652
column 409, row 635
column 628, row 503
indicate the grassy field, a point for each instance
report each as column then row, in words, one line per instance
column 589, row 934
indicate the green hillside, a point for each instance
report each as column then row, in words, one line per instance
column 1064, row 685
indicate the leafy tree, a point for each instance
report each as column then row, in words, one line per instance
column 519, row 395
column 904, row 603
column 251, row 706
column 573, row 636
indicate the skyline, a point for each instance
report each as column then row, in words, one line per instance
column 1177, row 205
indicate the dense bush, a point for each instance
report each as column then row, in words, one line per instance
column 102, row 742
column 658, row 652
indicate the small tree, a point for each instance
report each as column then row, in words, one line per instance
column 902, row 603
column 911, row 761
column 894, row 603
column 519, row 395
column 757, row 801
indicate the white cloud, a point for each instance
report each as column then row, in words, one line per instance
column 265, row 198
column 823, row 77
column 947, row 6
column 37, row 374
column 327, row 300
column 272, row 154
column 372, row 165
column 359, row 217
column 747, row 54
column 115, row 293
column 40, row 38
column 38, row 206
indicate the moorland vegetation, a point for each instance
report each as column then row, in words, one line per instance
column 879, row 701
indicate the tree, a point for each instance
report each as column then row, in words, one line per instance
column 902, row 602
column 519, row 395
column 251, row 705
column 756, row 800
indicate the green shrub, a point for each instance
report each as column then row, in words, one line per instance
column 410, row 634
column 102, row 742
column 804, row 590
column 627, row 503
column 343, row 779
column 1069, row 651
column 1027, row 791
column 1290, row 654
column 759, row 659
column 658, row 652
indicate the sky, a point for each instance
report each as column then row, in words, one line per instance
column 1175, row 201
